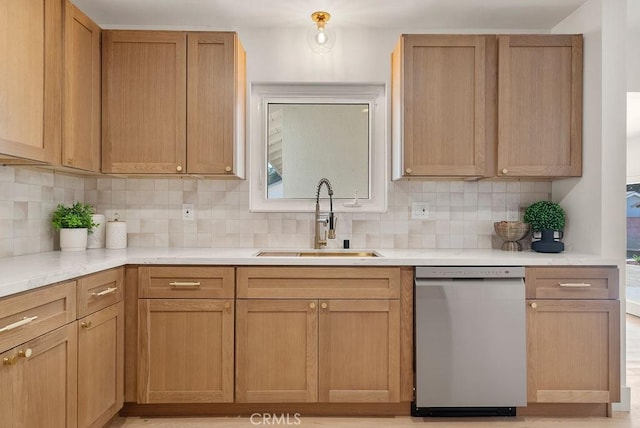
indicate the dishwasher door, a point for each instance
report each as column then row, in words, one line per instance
column 470, row 346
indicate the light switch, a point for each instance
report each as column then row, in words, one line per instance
column 188, row 212
column 420, row 211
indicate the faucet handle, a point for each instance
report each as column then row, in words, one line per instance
column 333, row 222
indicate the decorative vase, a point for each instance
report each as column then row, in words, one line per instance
column 511, row 232
column 548, row 243
column 73, row 239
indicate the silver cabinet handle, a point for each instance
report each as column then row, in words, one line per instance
column 185, row 284
column 23, row 321
column 105, row 292
column 574, row 284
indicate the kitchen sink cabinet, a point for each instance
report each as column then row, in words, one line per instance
column 540, row 105
column 308, row 343
column 185, row 334
column 359, row 351
column 31, row 81
column 573, row 337
column 82, row 85
column 443, row 97
column 471, row 106
column 276, row 350
column 173, row 103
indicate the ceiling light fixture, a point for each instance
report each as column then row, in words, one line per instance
column 320, row 38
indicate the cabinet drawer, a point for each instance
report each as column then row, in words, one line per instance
column 100, row 290
column 28, row 315
column 161, row 282
column 320, row 282
column 572, row 282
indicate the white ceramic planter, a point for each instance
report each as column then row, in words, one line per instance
column 73, row 239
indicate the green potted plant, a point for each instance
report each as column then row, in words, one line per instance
column 74, row 223
column 546, row 218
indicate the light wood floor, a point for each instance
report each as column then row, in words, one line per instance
column 619, row 420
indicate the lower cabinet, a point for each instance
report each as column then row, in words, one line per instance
column 100, row 366
column 277, row 351
column 319, row 338
column 359, row 351
column 573, row 349
column 317, row 350
column 185, row 350
column 573, row 337
column 39, row 381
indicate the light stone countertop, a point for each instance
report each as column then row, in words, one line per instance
column 23, row 273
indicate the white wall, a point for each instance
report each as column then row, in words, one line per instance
column 282, row 55
column 633, row 37
column 633, row 135
column 594, row 201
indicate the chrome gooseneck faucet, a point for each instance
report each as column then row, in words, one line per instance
column 324, row 219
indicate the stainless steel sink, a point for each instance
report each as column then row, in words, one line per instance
column 338, row 253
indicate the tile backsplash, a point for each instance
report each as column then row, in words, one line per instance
column 462, row 213
column 27, row 199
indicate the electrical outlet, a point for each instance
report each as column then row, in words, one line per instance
column 188, row 212
column 420, row 211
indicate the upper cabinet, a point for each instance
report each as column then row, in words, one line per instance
column 540, row 105
column 30, row 80
column 81, row 107
column 459, row 111
column 173, row 103
column 443, row 99
column 216, row 100
column 144, row 93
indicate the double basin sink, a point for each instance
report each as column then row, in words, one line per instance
column 317, row 253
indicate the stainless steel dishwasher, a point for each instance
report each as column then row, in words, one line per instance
column 470, row 341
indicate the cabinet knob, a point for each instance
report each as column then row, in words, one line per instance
column 533, row 305
column 25, row 353
column 85, row 324
column 408, row 170
column 9, row 361
column 505, row 170
column 227, row 168
column 312, row 305
column 227, row 305
column 324, row 306
column 179, row 168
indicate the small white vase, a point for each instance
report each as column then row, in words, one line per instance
column 73, row 239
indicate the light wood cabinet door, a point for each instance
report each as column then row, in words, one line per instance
column 215, row 102
column 82, row 86
column 8, row 381
column 276, row 351
column 100, row 366
column 359, row 351
column 573, row 351
column 143, row 102
column 443, row 97
column 185, row 350
column 31, row 79
column 540, row 105
column 45, row 380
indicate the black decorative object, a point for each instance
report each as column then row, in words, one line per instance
column 547, row 218
column 547, row 243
